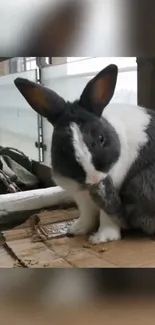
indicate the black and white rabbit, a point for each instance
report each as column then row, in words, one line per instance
column 93, row 140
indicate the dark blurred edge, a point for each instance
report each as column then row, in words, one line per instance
column 5, row 59
column 108, row 283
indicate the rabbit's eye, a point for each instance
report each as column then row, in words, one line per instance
column 101, row 139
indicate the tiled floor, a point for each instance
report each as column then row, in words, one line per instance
column 134, row 250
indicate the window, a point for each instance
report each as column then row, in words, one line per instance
column 29, row 63
column 20, row 64
column 73, row 59
column 126, row 88
column 94, row 64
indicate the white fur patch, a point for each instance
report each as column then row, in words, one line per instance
column 89, row 214
column 130, row 122
column 109, row 230
column 83, row 156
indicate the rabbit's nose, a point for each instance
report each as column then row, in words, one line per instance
column 96, row 177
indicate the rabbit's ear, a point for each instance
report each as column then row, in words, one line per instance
column 43, row 100
column 99, row 91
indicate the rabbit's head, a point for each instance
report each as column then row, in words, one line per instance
column 84, row 145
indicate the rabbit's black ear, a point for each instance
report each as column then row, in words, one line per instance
column 43, row 100
column 99, row 91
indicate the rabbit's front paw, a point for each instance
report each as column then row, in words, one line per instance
column 105, row 235
column 80, row 227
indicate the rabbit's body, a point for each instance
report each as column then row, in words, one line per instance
column 131, row 124
column 93, row 140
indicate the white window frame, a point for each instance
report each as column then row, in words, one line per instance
column 80, row 64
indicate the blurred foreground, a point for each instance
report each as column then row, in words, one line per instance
column 34, row 297
column 77, row 28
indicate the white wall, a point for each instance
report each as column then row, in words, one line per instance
column 18, row 122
